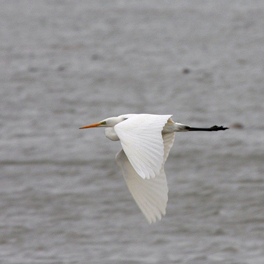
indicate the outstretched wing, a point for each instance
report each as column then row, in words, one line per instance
column 151, row 195
column 141, row 139
column 168, row 140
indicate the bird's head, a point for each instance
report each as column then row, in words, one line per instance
column 108, row 122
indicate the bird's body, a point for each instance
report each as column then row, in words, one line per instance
column 146, row 141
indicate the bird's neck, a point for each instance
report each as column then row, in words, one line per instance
column 111, row 134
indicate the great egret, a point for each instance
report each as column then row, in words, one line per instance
column 146, row 141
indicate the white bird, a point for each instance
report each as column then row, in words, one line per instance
column 146, row 141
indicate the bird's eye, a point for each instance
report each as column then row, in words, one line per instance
column 103, row 123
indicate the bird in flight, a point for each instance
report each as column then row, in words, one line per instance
column 146, row 141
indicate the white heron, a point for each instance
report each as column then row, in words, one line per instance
column 146, row 140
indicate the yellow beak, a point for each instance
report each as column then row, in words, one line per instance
column 92, row 125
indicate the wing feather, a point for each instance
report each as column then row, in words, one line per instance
column 151, row 195
column 168, row 140
column 141, row 140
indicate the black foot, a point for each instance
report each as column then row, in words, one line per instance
column 216, row 128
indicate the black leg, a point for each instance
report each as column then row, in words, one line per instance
column 213, row 128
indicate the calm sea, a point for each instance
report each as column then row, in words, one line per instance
column 66, row 64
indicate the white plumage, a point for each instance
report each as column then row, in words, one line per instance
column 143, row 144
column 151, row 195
column 146, row 141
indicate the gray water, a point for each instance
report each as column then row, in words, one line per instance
column 66, row 64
